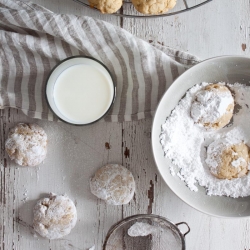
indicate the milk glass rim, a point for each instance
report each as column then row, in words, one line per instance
column 105, row 67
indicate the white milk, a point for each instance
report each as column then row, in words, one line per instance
column 82, row 93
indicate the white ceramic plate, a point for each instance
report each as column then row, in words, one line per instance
column 229, row 69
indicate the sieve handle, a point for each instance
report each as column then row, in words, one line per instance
column 180, row 223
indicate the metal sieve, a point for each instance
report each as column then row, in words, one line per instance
column 167, row 237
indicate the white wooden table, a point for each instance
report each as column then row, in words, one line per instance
column 219, row 28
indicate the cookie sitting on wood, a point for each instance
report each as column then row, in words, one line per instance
column 114, row 184
column 27, row 144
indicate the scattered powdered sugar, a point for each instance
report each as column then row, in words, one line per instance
column 25, row 195
column 185, row 143
column 160, row 236
column 141, row 229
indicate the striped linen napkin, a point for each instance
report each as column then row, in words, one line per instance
column 34, row 39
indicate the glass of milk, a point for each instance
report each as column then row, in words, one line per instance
column 80, row 90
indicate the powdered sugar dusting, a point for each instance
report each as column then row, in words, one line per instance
column 141, row 229
column 54, row 217
column 210, row 106
column 113, row 183
column 214, row 150
column 185, row 143
column 237, row 162
column 27, row 144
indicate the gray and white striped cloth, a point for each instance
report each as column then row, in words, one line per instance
column 33, row 40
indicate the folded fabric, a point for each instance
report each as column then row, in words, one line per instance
column 34, row 39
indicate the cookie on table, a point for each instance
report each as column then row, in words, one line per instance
column 227, row 160
column 114, row 184
column 153, row 7
column 54, row 217
column 213, row 106
column 106, row 6
column 27, row 144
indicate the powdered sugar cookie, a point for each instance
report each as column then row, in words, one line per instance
column 228, row 160
column 106, row 6
column 27, row 144
column 54, row 217
column 114, row 184
column 153, row 6
column 213, row 106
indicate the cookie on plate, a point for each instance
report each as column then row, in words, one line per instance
column 213, row 106
column 153, row 7
column 228, row 160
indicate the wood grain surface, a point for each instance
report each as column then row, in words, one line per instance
column 219, row 28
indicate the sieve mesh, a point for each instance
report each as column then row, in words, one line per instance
column 166, row 235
